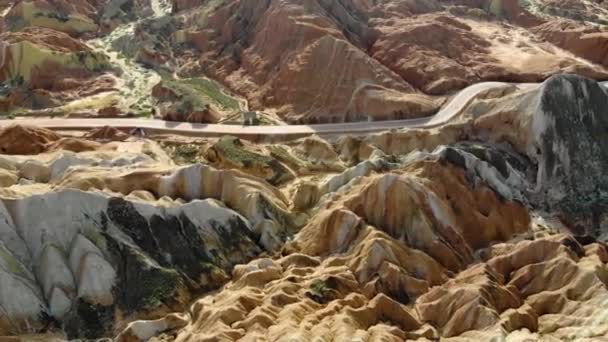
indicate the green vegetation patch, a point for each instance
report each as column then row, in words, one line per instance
column 184, row 154
column 11, row 263
column 231, row 152
column 188, row 153
column 232, row 149
column 213, row 90
column 320, row 292
column 89, row 320
column 197, row 94
column 281, row 153
column 300, row 165
column 157, row 285
column 142, row 108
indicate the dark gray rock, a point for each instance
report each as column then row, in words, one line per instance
column 82, row 261
column 566, row 170
column 571, row 132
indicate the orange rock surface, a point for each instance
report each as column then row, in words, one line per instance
column 589, row 42
column 26, row 140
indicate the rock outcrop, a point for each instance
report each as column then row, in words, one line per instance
column 573, row 159
column 386, row 259
column 72, row 17
column 27, row 140
column 42, row 68
column 466, row 52
column 36, row 55
column 18, row 139
column 78, row 18
column 589, row 42
column 106, row 258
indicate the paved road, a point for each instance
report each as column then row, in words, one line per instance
column 206, row 130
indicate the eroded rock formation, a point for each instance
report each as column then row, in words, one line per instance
column 477, row 229
column 106, row 258
column 458, row 243
column 491, row 225
column 86, row 247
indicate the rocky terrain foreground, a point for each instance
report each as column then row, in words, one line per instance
column 487, row 224
column 491, row 226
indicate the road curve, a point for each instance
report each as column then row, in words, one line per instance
column 455, row 106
